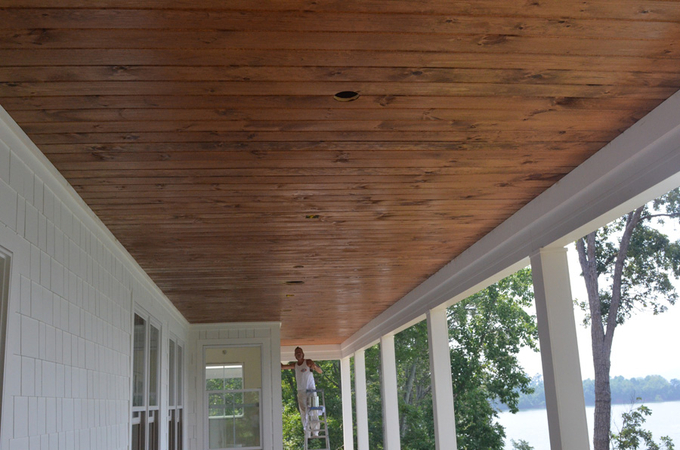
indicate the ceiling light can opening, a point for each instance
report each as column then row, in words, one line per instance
column 346, row 96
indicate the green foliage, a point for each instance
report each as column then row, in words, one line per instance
column 651, row 261
column 373, row 374
column 627, row 266
column 329, row 381
column 521, row 445
column 415, row 390
column 632, row 435
column 486, row 333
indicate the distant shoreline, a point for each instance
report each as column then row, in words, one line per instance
column 649, row 389
column 639, row 402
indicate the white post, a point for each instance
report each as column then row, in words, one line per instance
column 390, row 401
column 361, row 402
column 347, row 425
column 442, row 386
column 559, row 351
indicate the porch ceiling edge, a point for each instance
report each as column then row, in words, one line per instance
column 639, row 165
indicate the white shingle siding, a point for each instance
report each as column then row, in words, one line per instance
column 67, row 369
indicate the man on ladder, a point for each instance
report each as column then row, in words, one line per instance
column 305, row 382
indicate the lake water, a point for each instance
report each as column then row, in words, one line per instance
column 532, row 425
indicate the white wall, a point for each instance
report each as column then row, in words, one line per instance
column 71, row 294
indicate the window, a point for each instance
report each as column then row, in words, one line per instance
column 224, row 384
column 145, row 384
column 176, row 407
column 233, row 388
column 4, row 300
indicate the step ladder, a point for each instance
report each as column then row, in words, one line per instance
column 316, row 411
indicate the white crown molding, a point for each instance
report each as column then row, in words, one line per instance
column 638, row 166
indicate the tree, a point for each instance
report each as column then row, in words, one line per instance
column 632, row 435
column 414, row 381
column 521, row 445
column 635, row 262
column 486, row 332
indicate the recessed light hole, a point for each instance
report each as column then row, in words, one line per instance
column 346, row 96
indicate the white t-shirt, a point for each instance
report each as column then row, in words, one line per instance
column 304, row 377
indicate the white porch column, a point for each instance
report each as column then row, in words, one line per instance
column 346, row 388
column 362, row 406
column 559, row 351
column 442, row 386
column 390, row 401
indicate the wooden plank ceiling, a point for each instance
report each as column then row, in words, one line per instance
column 206, row 137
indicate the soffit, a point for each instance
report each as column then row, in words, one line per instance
column 206, row 137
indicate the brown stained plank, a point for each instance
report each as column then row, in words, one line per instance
column 368, row 136
column 301, row 150
column 470, row 170
column 403, row 195
column 610, row 9
column 226, row 167
column 381, row 155
column 280, row 182
column 326, row 205
column 132, row 192
column 345, row 221
column 335, row 74
column 321, row 58
column 289, row 251
column 292, row 102
column 323, row 88
column 411, row 220
column 626, row 46
column 194, row 119
column 325, row 21
column 274, row 237
column 400, row 193
column 539, row 123
column 283, row 247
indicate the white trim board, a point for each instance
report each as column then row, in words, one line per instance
column 638, row 166
column 316, row 352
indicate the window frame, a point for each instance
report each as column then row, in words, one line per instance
column 147, row 414
column 240, row 390
column 5, row 266
column 206, row 405
column 175, row 401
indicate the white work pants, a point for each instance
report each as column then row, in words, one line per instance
column 304, row 402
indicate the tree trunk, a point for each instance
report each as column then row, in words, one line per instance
column 408, row 397
column 602, row 335
column 603, row 397
column 601, row 362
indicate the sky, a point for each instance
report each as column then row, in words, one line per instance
column 645, row 345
